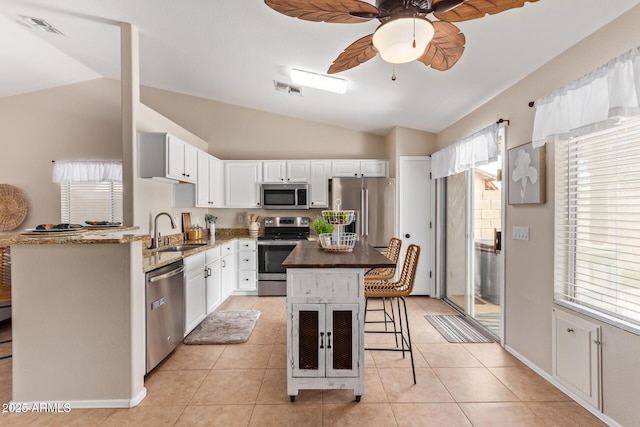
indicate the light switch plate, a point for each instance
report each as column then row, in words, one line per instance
column 520, row 233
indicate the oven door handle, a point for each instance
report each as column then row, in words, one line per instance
column 278, row 242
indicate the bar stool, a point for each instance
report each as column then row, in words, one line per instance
column 398, row 290
column 384, row 274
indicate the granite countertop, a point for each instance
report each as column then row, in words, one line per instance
column 151, row 259
column 83, row 236
column 308, row 254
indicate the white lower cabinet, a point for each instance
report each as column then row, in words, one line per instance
column 213, row 278
column 247, row 265
column 325, row 330
column 228, row 266
column 195, row 309
column 327, row 339
column 576, row 356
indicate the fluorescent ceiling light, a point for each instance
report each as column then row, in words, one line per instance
column 318, row 81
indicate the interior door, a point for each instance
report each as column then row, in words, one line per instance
column 417, row 213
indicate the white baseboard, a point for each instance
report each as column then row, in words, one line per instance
column 602, row 417
column 59, row 406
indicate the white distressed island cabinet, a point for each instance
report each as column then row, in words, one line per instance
column 325, row 317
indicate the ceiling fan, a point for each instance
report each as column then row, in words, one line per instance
column 405, row 33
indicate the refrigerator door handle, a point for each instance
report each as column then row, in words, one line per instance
column 365, row 212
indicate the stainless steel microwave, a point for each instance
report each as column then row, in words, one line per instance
column 284, row 196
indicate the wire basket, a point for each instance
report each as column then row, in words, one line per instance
column 334, row 242
column 339, row 217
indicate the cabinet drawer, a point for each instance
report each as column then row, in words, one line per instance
column 247, row 280
column 247, row 261
column 194, row 261
column 328, row 284
column 247, row 245
column 227, row 249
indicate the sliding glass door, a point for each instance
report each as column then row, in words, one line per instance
column 471, row 208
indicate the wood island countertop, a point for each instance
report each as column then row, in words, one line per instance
column 308, row 254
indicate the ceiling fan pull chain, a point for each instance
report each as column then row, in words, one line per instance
column 414, row 30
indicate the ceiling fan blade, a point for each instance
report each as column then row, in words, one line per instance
column 357, row 53
column 336, row 11
column 443, row 6
column 473, row 9
column 445, row 48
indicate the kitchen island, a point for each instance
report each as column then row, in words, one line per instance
column 325, row 316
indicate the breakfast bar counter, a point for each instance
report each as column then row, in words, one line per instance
column 325, row 316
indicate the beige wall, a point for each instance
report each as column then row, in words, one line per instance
column 236, row 133
column 75, row 122
column 529, row 264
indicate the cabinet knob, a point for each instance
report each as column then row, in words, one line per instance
column 569, row 330
column 407, row 235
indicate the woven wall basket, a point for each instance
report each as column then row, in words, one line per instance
column 13, row 207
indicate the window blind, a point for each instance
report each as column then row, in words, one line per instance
column 597, row 223
column 91, row 201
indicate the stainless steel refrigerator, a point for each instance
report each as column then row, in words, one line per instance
column 374, row 200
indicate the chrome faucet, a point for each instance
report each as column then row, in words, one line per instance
column 156, row 234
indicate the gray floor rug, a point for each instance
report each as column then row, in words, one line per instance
column 456, row 330
column 224, row 327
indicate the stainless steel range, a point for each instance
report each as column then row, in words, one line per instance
column 281, row 235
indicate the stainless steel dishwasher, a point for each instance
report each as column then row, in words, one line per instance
column 165, row 311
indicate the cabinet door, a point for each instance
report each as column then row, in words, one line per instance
column 319, row 174
column 190, row 163
column 345, row 168
column 228, row 271
column 308, row 340
column 214, row 284
column 194, row 299
column 242, row 184
column 175, row 158
column 373, row 168
column 273, row 171
column 298, row 171
column 202, row 184
column 342, row 349
column 216, row 183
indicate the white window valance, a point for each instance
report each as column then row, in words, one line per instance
column 479, row 149
column 87, row 171
column 595, row 101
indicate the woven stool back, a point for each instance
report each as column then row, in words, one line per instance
column 404, row 285
column 393, row 253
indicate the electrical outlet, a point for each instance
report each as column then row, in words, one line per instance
column 240, row 219
column 520, row 233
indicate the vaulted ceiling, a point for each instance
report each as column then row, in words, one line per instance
column 232, row 51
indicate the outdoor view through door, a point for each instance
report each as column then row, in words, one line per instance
column 473, row 256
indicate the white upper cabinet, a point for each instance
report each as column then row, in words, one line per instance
column 359, row 168
column 242, row 183
column 165, row 157
column 319, row 174
column 209, row 188
column 285, row 171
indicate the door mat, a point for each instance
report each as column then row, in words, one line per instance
column 457, row 330
column 224, row 327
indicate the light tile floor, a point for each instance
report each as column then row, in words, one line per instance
column 245, row 385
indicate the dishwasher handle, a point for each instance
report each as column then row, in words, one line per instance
column 167, row 275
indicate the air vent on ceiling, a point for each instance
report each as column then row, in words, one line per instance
column 284, row 87
column 40, row 24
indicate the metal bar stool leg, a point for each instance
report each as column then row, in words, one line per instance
column 406, row 317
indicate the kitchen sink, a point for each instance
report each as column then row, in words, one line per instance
column 181, row 248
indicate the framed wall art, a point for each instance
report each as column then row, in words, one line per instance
column 527, row 183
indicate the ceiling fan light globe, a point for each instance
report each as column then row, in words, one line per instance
column 394, row 39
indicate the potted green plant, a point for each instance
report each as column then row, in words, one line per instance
column 322, row 228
